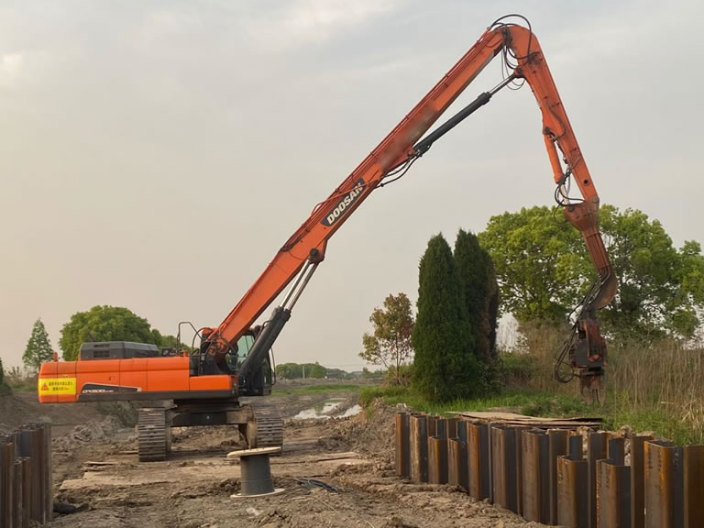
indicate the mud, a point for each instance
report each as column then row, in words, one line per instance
column 97, row 473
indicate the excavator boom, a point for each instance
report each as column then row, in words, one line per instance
column 306, row 247
column 205, row 388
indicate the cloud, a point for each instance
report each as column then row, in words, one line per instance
column 314, row 17
column 269, row 27
column 383, row 69
column 165, row 25
column 625, row 32
column 23, row 68
column 313, row 21
column 10, row 68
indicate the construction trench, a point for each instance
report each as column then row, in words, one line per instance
column 566, row 476
column 380, row 468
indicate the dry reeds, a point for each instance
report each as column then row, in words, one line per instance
column 663, row 378
column 656, row 386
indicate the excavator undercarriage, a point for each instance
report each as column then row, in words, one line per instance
column 260, row 424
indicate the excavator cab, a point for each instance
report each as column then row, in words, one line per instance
column 260, row 380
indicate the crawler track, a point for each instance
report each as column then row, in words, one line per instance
column 269, row 426
column 153, row 435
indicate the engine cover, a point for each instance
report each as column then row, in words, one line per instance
column 117, row 350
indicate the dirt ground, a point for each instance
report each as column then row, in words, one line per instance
column 96, row 471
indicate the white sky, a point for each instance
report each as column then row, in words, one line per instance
column 155, row 155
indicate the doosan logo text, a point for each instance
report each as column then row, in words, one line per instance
column 344, row 203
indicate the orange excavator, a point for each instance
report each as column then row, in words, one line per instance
column 233, row 361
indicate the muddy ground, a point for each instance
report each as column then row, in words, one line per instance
column 96, row 471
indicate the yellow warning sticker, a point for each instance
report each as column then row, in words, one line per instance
column 53, row 386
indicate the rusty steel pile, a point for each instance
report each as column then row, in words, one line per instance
column 546, row 476
column 25, row 477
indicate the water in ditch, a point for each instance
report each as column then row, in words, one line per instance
column 328, row 409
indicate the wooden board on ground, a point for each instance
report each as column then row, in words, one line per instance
column 509, row 418
column 128, row 473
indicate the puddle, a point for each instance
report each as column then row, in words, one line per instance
column 352, row 411
column 327, row 410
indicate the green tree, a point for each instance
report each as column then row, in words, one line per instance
column 444, row 366
column 539, row 262
column 661, row 288
column 2, row 373
column 169, row 341
column 390, row 343
column 104, row 323
column 369, row 374
column 334, row 373
column 544, row 270
column 38, row 349
column 314, row 370
column 481, row 291
column 289, row 370
column 305, row 370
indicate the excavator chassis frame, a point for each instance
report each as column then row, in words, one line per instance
column 259, row 423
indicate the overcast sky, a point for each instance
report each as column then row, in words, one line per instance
column 155, row 155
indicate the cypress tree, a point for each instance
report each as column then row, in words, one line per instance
column 38, row 348
column 445, row 366
column 481, row 292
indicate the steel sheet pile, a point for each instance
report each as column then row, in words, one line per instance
column 573, row 478
column 25, row 477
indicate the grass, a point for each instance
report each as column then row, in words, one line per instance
column 285, row 390
column 20, row 381
column 23, row 387
column 653, row 385
column 524, row 401
column 658, row 387
column 659, row 418
column 674, row 418
column 653, row 420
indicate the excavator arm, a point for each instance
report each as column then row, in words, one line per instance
column 305, row 249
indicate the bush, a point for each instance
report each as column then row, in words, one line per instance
column 4, row 388
column 535, row 354
column 402, row 377
column 517, row 369
column 19, row 380
column 391, row 395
